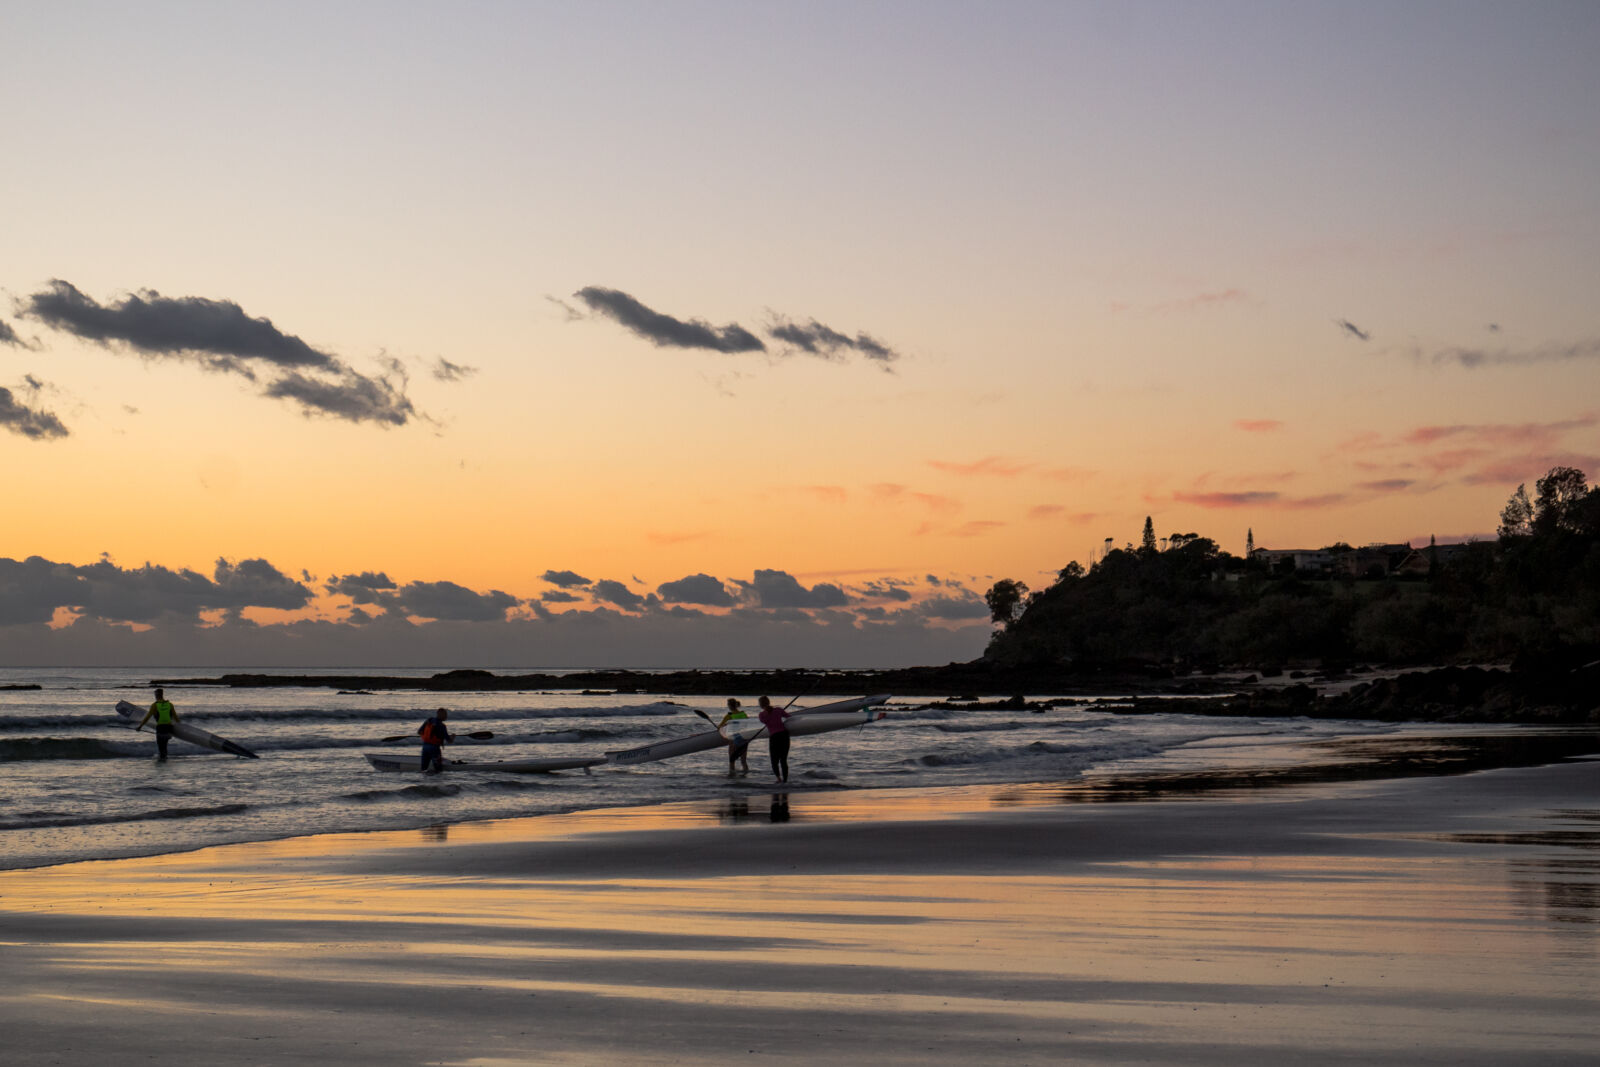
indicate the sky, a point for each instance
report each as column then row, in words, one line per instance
column 535, row 335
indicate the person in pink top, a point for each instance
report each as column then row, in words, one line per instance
column 775, row 719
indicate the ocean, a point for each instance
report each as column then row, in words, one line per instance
column 79, row 785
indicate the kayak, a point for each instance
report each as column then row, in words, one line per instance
column 130, row 714
column 387, row 761
column 817, row 720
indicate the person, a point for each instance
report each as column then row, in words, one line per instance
column 777, row 737
column 165, row 715
column 434, row 733
column 738, row 751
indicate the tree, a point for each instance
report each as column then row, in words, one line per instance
column 1070, row 572
column 1006, row 599
column 1561, row 491
column 1147, row 543
column 1516, row 518
column 1249, row 542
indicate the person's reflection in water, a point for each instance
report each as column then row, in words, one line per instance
column 780, row 808
column 735, row 810
column 439, row 833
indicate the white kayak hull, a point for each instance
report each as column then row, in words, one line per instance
column 130, row 714
column 817, row 720
column 394, row 761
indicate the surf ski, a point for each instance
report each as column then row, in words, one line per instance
column 817, row 720
column 130, row 714
column 393, row 761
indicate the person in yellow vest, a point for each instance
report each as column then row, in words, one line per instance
column 165, row 715
column 434, row 734
column 737, row 752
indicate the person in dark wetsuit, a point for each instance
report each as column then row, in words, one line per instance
column 165, row 715
column 434, row 733
column 777, row 737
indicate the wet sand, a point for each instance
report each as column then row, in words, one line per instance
column 1265, row 915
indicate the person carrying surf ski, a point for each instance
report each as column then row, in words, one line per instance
column 738, row 750
column 165, row 715
column 774, row 719
column 434, row 734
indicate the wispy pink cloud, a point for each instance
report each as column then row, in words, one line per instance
column 988, row 466
column 1387, row 485
column 1067, row 474
column 832, row 494
column 659, row 537
column 1045, row 511
column 1510, row 470
column 1258, row 425
column 976, row 528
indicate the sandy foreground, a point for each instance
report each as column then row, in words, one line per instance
column 1250, row 917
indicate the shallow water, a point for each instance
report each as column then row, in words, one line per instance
column 80, row 785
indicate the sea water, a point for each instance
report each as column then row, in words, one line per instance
column 78, row 784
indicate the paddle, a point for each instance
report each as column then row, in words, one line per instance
column 476, row 735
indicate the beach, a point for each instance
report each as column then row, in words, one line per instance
column 1392, row 915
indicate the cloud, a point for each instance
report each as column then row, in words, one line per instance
column 8, row 335
column 218, row 335
column 1227, row 500
column 1502, row 434
column 664, row 330
column 28, row 422
column 967, row 606
column 1387, row 485
column 976, row 528
column 558, row 596
column 1472, row 358
column 700, row 589
column 1353, row 330
column 1067, row 474
column 1258, row 425
column 607, row 591
column 447, row 600
column 779, row 589
column 33, row 590
column 564, row 579
column 364, row 588
column 445, row 371
column 988, row 466
column 816, row 339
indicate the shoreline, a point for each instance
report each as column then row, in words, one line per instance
column 1246, row 915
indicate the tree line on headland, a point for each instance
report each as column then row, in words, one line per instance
column 1533, row 592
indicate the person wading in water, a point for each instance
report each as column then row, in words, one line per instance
column 165, row 715
column 434, row 733
column 777, row 737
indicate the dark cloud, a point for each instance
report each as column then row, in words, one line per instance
column 1472, row 358
column 446, row 371
column 32, row 590
column 954, row 608
column 1353, row 330
column 218, row 335
column 887, row 589
column 29, row 422
column 165, row 326
column 824, row 341
column 351, row 396
column 700, row 589
column 565, row 579
column 779, row 589
column 8, row 336
column 557, row 596
column 664, row 330
column 449, row 601
column 607, row 591
column 364, row 588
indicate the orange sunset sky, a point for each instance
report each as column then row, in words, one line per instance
column 676, row 334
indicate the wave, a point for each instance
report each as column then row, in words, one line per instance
column 35, row 820
column 409, row 792
column 47, row 748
